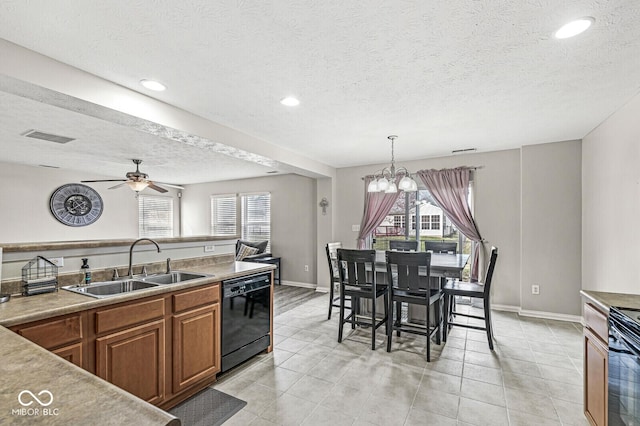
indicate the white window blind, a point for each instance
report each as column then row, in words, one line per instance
column 155, row 216
column 256, row 217
column 224, row 215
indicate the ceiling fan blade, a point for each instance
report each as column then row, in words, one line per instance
column 104, row 180
column 156, row 187
column 118, row 186
column 170, row 185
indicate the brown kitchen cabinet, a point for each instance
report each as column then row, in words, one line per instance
column 596, row 370
column 62, row 335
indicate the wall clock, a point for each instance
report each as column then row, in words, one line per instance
column 75, row 204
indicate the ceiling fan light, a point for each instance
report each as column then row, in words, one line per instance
column 391, row 189
column 373, row 186
column 137, row 186
column 383, row 184
column 413, row 187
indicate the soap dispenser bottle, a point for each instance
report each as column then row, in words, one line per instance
column 86, row 271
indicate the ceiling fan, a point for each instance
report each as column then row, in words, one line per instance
column 137, row 181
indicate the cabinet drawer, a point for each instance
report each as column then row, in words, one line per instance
column 197, row 297
column 596, row 321
column 128, row 315
column 55, row 333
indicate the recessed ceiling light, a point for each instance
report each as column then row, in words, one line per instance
column 153, row 85
column 289, row 101
column 574, row 28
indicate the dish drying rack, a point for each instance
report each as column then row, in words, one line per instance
column 39, row 275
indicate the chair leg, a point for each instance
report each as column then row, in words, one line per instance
column 390, row 319
column 373, row 323
column 437, row 317
column 428, row 334
column 487, row 322
column 355, row 310
column 445, row 318
column 342, row 314
column 398, row 317
column 330, row 300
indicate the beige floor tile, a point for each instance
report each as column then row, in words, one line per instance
column 315, row 350
column 558, row 374
column 555, row 360
column 258, row 421
column 435, row 381
column 277, row 357
column 484, row 392
column 280, row 378
column 418, row 417
column 258, row 398
column 527, row 402
column 292, row 344
column 331, row 368
column 520, row 367
column 526, row 383
column 518, row 418
column 325, row 416
column 565, row 391
column 483, row 374
column 241, row 418
column 285, row 330
column 446, row 366
column 485, row 360
column 570, row 413
column 347, row 399
column 306, row 335
column 300, row 363
column 311, row 389
column 288, row 410
column 438, row 402
column 381, row 410
column 482, row 414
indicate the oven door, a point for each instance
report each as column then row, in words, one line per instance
column 624, row 376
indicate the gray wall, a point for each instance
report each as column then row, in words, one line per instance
column 293, row 218
column 611, row 203
column 551, row 227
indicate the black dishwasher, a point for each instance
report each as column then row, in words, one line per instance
column 246, row 308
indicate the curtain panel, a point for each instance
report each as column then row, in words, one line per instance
column 450, row 189
column 376, row 207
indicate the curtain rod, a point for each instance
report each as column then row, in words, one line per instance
column 461, row 167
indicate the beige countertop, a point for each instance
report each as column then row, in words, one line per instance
column 21, row 309
column 604, row 300
column 79, row 397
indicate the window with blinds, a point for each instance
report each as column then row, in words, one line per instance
column 155, row 216
column 256, row 217
column 224, row 215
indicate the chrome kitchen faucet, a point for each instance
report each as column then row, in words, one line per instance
column 130, row 271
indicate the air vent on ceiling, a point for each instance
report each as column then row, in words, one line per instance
column 460, row 151
column 272, row 172
column 47, row 136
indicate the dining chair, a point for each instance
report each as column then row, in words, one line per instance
column 358, row 281
column 403, row 245
column 332, row 259
column 405, row 286
column 472, row 289
column 441, row 246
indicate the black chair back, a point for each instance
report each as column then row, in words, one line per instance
column 353, row 265
column 489, row 274
column 332, row 258
column 441, row 247
column 403, row 269
column 403, row 245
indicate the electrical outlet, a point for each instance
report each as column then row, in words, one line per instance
column 355, row 228
column 306, row 268
column 58, row 261
column 209, row 249
column 535, row 289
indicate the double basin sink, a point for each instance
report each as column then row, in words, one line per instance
column 126, row 285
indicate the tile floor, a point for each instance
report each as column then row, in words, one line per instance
column 534, row 376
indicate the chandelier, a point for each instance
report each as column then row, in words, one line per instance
column 385, row 180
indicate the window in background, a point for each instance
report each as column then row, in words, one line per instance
column 256, row 217
column 155, row 216
column 224, row 215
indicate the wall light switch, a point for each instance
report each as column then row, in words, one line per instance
column 209, row 249
column 355, row 228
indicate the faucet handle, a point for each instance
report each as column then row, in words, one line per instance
column 168, row 265
column 115, row 275
column 144, row 270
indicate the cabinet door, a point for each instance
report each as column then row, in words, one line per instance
column 596, row 368
column 134, row 360
column 72, row 353
column 196, row 348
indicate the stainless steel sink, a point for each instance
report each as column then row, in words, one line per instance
column 174, row 277
column 111, row 288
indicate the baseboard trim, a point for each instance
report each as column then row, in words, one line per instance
column 322, row 290
column 538, row 314
column 298, row 284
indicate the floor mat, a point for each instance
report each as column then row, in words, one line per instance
column 206, row 408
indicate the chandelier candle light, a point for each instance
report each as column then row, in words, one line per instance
column 385, row 179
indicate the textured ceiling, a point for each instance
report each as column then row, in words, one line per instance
column 441, row 75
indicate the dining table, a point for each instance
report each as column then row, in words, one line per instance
column 443, row 265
